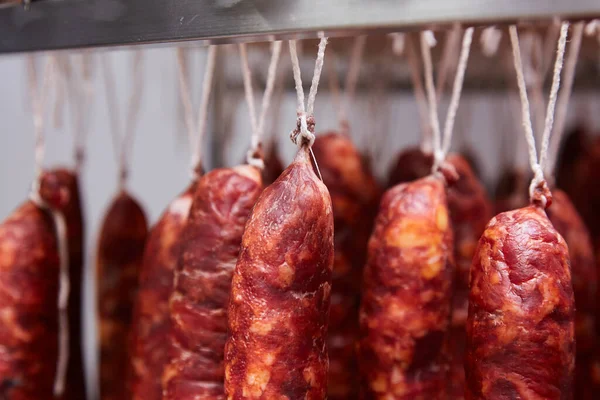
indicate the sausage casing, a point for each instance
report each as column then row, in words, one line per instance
column 354, row 197
column 119, row 257
column 280, row 294
column 405, row 308
column 151, row 350
column 29, row 269
column 520, row 328
column 211, row 241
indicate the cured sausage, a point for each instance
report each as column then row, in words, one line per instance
column 405, row 309
column 568, row 223
column 520, row 328
column 511, row 190
column 273, row 166
column 119, row 257
column 573, row 150
column 354, row 197
column 586, row 193
column 280, row 294
column 211, row 242
column 51, row 184
column 151, row 320
column 29, row 270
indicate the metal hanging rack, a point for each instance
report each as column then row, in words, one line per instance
column 68, row 24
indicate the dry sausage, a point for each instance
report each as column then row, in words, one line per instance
column 119, row 257
column 354, row 197
column 520, row 328
column 29, row 269
column 568, row 223
column 470, row 211
column 50, row 187
column 151, row 320
column 212, row 236
column 405, row 308
column 511, row 190
column 411, row 164
column 273, row 166
column 280, row 293
column 573, row 150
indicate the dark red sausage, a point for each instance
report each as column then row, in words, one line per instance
column 29, row 269
column 411, row 164
column 273, row 165
column 574, row 149
column 511, row 190
column 151, row 320
column 354, row 197
column 119, row 257
column 405, row 309
column 51, row 183
column 568, row 223
column 280, row 294
column 211, row 242
column 520, row 329
column 470, row 211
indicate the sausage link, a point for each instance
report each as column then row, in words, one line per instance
column 119, row 257
column 51, row 184
column 280, row 294
column 470, row 211
column 354, row 197
column 520, row 329
column 151, row 319
column 211, row 243
column 405, row 309
column 511, row 190
column 29, row 269
column 273, row 166
column 569, row 224
column 411, row 164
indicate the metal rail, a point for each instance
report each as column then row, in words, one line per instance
column 63, row 24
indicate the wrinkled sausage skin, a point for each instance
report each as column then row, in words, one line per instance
column 211, row 242
column 520, row 329
column 405, row 309
column 151, row 319
column 569, row 224
column 119, row 257
column 470, row 211
column 51, row 184
column 354, row 197
column 280, row 294
column 29, row 269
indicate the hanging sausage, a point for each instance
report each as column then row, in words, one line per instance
column 151, row 350
column 406, row 304
column 119, row 253
column 520, row 328
column 280, row 294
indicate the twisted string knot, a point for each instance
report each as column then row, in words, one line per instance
column 304, row 134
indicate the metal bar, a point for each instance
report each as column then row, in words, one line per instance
column 62, row 24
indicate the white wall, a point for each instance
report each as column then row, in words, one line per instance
column 160, row 157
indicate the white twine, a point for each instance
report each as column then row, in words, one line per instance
column 537, row 167
column 450, row 46
column 334, row 85
column 442, row 145
column 85, row 100
column 352, row 76
column 38, row 107
column 303, row 112
column 564, row 96
column 122, row 135
column 196, row 129
column 258, row 126
column 398, row 41
column 490, row 41
column 420, row 97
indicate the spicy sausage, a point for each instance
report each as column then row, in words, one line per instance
column 405, row 308
column 150, row 350
column 354, row 196
column 280, row 294
column 520, row 328
column 212, row 236
column 29, row 270
column 119, row 257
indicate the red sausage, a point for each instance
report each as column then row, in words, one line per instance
column 151, row 320
column 29, row 269
column 280, row 294
column 119, row 257
column 51, row 183
column 273, row 166
column 354, row 196
column 511, row 190
column 411, row 164
column 405, row 309
column 520, row 329
column 569, row 224
column 211, row 242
